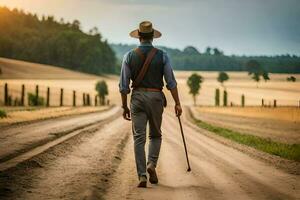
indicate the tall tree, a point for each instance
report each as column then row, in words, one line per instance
column 194, row 83
column 291, row 79
column 217, row 52
column 208, row 51
column 222, row 77
column 265, row 76
column 256, row 71
column 102, row 89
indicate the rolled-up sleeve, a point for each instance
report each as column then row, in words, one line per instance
column 168, row 72
column 125, row 76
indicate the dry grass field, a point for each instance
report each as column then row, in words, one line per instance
column 289, row 114
column 281, row 124
column 286, row 93
column 16, row 73
column 33, row 114
column 26, row 70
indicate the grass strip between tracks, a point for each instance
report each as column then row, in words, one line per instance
column 288, row 151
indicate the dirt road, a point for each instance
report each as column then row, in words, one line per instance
column 99, row 164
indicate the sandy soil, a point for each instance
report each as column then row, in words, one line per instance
column 77, row 169
column 99, row 164
column 18, row 139
column 218, row 172
column 276, row 124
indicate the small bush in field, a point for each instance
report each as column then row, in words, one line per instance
column 34, row 101
column 3, row 114
column 102, row 89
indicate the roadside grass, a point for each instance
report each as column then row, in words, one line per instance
column 3, row 114
column 288, row 151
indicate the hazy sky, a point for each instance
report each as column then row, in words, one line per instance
column 248, row 27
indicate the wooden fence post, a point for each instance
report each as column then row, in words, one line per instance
column 61, row 97
column 83, row 99
column 48, row 97
column 243, row 100
column 6, row 94
column 23, row 95
column 96, row 100
column 217, row 97
column 88, row 100
column 225, row 98
column 36, row 95
column 275, row 103
column 74, row 98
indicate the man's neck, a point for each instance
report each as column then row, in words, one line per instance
column 146, row 42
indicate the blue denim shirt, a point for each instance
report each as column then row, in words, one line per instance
column 126, row 74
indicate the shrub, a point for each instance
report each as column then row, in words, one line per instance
column 3, row 114
column 102, row 89
column 33, row 100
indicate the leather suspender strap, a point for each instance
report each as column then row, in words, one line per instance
column 145, row 67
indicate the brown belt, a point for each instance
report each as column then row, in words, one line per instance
column 148, row 89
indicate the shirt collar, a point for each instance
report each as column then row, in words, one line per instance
column 145, row 44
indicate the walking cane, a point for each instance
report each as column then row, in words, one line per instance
column 186, row 154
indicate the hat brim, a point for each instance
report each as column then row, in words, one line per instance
column 135, row 34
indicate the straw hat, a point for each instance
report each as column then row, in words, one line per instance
column 145, row 29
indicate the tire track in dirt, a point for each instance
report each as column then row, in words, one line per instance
column 79, row 168
column 19, row 140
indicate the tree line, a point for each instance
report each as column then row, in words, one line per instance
column 213, row 59
column 25, row 36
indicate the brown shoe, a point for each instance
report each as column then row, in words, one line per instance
column 143, row 181
column 152, row 173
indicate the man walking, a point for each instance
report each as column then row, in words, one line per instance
column 146, row 66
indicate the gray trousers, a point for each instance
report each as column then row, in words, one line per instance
column 146, row 107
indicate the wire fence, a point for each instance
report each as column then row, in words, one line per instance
column 40, row 95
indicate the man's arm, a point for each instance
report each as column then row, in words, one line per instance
column 124, row 86
column 126, row 111
column 178, row 109
column 171, row 83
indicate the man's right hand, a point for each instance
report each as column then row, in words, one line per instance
column 178, row 110
column 126, row 113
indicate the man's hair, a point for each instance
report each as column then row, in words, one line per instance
column 146, row 36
